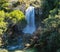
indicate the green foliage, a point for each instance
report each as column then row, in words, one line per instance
column 3, row 25
column 53, row 19
column 51, row 3
column 49, row 39
column 48, row 5
column 2, row 14
column 51, row 35
column 52, row 22
column 7, row 19
column 4, row 5
column 14, row 16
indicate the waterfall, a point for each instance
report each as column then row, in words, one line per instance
column 30, row 18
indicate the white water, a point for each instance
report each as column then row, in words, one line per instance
column 30, row 18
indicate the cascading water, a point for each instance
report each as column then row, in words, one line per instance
column 30, row 18
column 30, row 28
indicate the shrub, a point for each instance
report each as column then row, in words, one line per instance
column 3, row 25
column 16, row 16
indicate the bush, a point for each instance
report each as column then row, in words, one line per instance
column 16, row 15
column 3, row 25
column 50, row 37
column 7, row 21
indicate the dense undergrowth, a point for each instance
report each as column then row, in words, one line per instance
column 49, row 36
column 8, row 21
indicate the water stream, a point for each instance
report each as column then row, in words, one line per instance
column 30, row 18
